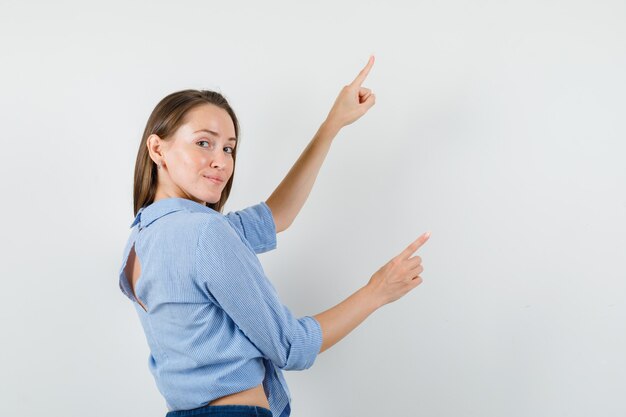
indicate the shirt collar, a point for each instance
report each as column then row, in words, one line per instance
column 160, row 208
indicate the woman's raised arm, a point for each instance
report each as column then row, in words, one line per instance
column 352, row 102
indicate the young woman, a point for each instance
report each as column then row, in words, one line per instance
column 218, row 334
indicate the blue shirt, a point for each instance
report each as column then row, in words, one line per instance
column 213, row 321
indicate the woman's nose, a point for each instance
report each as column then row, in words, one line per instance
column 219, row 160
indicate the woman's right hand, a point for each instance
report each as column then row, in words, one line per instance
column 353, row 101
column 400, row 275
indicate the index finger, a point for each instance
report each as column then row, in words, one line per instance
column 363, row 74
column 414, row 246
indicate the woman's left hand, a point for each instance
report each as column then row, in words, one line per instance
column 353, row 101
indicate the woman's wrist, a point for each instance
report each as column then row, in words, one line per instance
column 329, row 129
column 372, row 296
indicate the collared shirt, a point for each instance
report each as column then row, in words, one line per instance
column 213, row 321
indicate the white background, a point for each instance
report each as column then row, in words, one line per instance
column 499, row 126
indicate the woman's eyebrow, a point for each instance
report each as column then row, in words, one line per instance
column 214, row 134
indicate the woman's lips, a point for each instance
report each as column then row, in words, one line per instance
column 214, row 180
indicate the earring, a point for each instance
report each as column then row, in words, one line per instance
column 159, row 166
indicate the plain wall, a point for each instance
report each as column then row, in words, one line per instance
column 499, row 126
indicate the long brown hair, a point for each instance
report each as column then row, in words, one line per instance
column 165, row 119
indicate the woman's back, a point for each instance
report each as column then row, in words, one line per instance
column 253, row 396
column 209, row 332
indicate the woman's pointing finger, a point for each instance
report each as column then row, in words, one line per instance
column 363, row 74
column 414, row 246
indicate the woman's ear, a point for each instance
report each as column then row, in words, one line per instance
column 156, row 146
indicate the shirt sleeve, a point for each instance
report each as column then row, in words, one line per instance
column 232, row 274
column 256, row 223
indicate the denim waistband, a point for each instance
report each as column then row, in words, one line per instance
column 228, row 410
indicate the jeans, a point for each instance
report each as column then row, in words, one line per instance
column 230, row 410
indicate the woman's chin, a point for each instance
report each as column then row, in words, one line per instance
column 211, row 199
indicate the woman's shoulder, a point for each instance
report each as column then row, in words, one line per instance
column 200, row 226
column 190, row 222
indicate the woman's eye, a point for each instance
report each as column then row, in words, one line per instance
column 202, row 142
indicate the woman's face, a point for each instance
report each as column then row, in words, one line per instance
column 197, row 161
